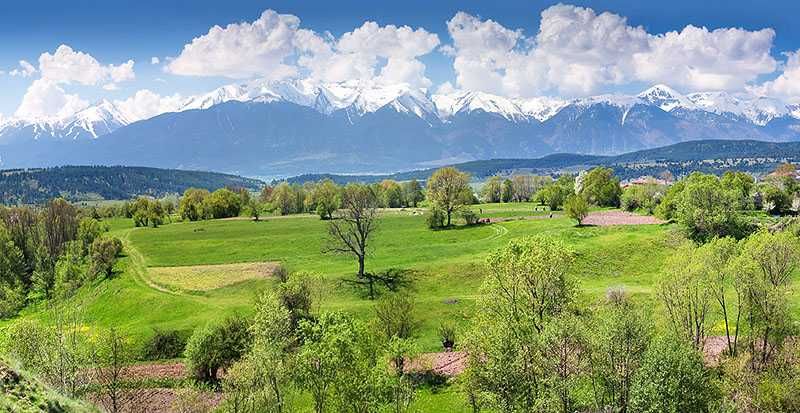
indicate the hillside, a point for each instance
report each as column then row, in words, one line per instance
column 23, row 393
column 31, row 186
column 711, row 156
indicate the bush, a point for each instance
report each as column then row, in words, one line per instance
column 216, row 346
column 435, row 218
column 671, row 378
column 164, row 344
column 447, row 334
column 470, row 217
column 576, row 208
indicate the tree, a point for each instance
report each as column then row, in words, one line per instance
column 352, row 228
column 222, row 203
column 621, row 337
column 706, row 210
column 742, row 185
column 718, row 261
column 686, row 294
column 103, row 254
column 326, row 197
column 191, row 205
column 88, row 230
column 216, row 346
column 576, row 208
column 60, row 225
column 448, row 189
column 671, row 378
column 391, row 193
column 285, row 199
column 110, row 355
column 774, row 199
column 12, row 275
column 412, row 193
column 260, row 381
column 492, row 189
column 507, row 192
column 526, row 287
column 766, row 265
column 600, row 187
column 565, row 355
column 396, row 316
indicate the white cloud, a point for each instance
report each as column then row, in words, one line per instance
column 45, row 98
column 25, row 69
column 69, row 66
column 579, row 52
column 155, row 60
column 787, row 84
column 275, row 47
column 145, row 104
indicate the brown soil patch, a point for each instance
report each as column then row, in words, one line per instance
column 149, row 371
column 607, row 218
column 447, row 364
column 157, row 400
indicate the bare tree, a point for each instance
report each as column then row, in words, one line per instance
column 352, row 227
column 109, row 360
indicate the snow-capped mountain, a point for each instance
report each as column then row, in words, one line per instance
column 268, row 127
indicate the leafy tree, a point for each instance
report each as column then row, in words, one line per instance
column 644, row 197
column 351, row 230
column 576, row 208
column 707, row 210
column 775, row 201
column 492, row 189
column 12, row 275
column 447, row 189
column 600, row 187
column 412, row 193
column 222, row 203
column 565, row 355
column 191, row 205
column 742, row 185
column 620, row 338
column 396, row 316
column 766, row 265
column 392, row 194
column 103, row 255
column 526, row 287
column 111, row 354
column 686, row 293
column 671, row 378
column 507, row 191
column 327, row 198
column 70, row 270
column 285, row 199
column 717, row 259
column 435, row 218
column 88, row 230
column 216, row 346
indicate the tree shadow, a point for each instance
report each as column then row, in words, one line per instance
column 390, row 280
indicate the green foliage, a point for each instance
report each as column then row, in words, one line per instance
column 600, row 187
column 89, row 229
column 775, row 200
column 396, row 316
column 327, row 199
column 391, row 194
column 412, row 193
column 164, row 344
column 507, row 191
column 469, row 216
column 706, row 210
column 70, row 271
column 554, row 194
column 644, row 197
column 147, row 212
column 222, row 203
column 216, row 346
column 103, row 254
column 435, row 218
column 492, row 189
column 672, row 378
column 448, row 189
column 192, row 204
column 576, row 208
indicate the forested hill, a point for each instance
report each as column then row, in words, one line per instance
column 32, row 186
column 710, row 156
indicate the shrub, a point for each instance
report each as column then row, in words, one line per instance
column 164, row 344
column 216, row 346
column 576, row 208
column 470, row 217
column 447, row 334
column 103, row 254
column 435, row 218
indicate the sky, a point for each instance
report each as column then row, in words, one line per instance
column 58, row 57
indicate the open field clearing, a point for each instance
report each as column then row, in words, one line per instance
column 209, row 277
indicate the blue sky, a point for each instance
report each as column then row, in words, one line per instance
column 114, row 32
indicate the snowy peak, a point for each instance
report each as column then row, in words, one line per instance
column 665, row 98
column 757, row 109
column 468, row 102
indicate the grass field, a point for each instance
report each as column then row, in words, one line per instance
column 182, row 275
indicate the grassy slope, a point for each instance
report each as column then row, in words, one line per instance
column 21, row 393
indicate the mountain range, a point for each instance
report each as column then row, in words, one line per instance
column 269, row 129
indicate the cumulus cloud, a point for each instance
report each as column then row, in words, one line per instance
column 69, row 66
column 275, row 47
column 578, row 52
column 145, row 104
column 787, row 84
column 45, row 98
column 155, row 60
